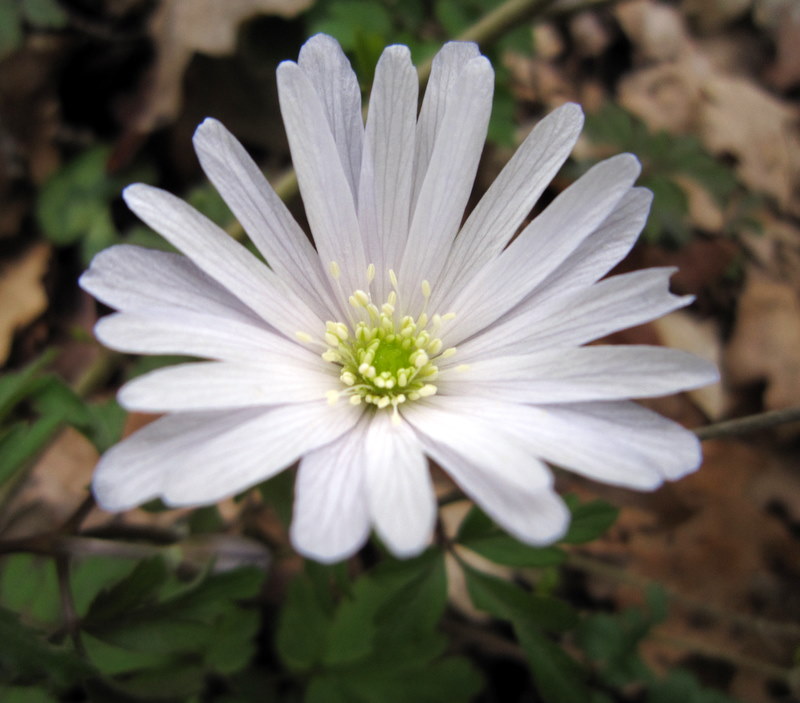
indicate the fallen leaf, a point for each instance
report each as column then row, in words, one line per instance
column 22, row 294
column 765, row 340
column 180, row 28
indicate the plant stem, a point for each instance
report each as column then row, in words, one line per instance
column 750, row 423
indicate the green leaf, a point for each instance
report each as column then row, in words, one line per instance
column 347, row 20
column 44, row 14
column 302, row 627
column 26, row 656
column 589, row 520
column 14, row 387
column 558, row 677
column 76, row 197
column 452, row 680
column 278, row 493
column 29, row 587
column 682, row 686
column 508, row 601
column 25, row 694
column 138, row 588
column 10, row 27
column 478, row 533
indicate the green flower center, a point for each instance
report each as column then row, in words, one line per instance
column 385, row 359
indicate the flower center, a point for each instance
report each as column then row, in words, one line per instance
column 386, row 359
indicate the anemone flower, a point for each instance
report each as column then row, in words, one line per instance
column 401, row 335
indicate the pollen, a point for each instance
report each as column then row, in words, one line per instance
column 386, row 359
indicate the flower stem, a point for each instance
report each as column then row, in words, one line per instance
column 749, row 423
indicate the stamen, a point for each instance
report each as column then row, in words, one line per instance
column 385, row 360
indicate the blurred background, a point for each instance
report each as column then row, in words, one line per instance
column 701, row 575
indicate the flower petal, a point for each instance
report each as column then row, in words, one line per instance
column 599, row 252
column 135, row 279
column 542, row 246
column 510, row 198
column 265, row 218
column 398, row 486
column 222, row 258
column 328, row 69
column 582, row 374
column 536, row 516
column 213, row 385
column 613, row 304
column 327, row 195
column 446, row 67
column 385, row 186
column 202, row 457
column 330, row 520
column 619, row 443
column 440, row 420
column 448, row 179
column 191, row 334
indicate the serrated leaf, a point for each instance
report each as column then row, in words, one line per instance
column 302, row 627
column 139, row 587
column 589, row 520
column 29, row 588
column 508, row 601
column 25, row 655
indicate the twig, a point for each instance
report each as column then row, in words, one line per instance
column 494, row 24
column 750, row 423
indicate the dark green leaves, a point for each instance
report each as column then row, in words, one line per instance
column 379, row 641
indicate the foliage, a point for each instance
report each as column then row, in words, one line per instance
column 36, row 14
column 664, row 158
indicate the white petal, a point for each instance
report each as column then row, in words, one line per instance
column 601, row 251
column 330, row 520
column 542, row 246
column 620, row 443
column 441, row 420
column 222, row 258
column 446, row 68
column 398, row 486
column 510, row 198
column 582, row 374
column 449, row 178
column 217, row 385
column 385, row 186
column 327, row 195
column 535, row 516
column 192, row 334
column 328, row 69
column 262, row 213
column 135, row 279
column 198, row 458
column 613, row 304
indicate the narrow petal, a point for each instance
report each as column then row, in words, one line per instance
column 440, row 420
column 616, row 303
column 446, row 68
column 135, row 279
column 277, row 380
column 196, row 458
column 336, row 84
column 398, row 486
column 449, row 177
column 192, row 334
column 222, row 258
column 327, row 194
column 582, row 374
column 536, row 516
column 620, row 443
column 601, row 251
column 542, row 246
column 330, row 520
column 265, row 218
column 385, row 187
column 510, row 198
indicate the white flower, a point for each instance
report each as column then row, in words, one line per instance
column 403, row 335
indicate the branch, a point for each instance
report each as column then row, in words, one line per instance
column 750, row 423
